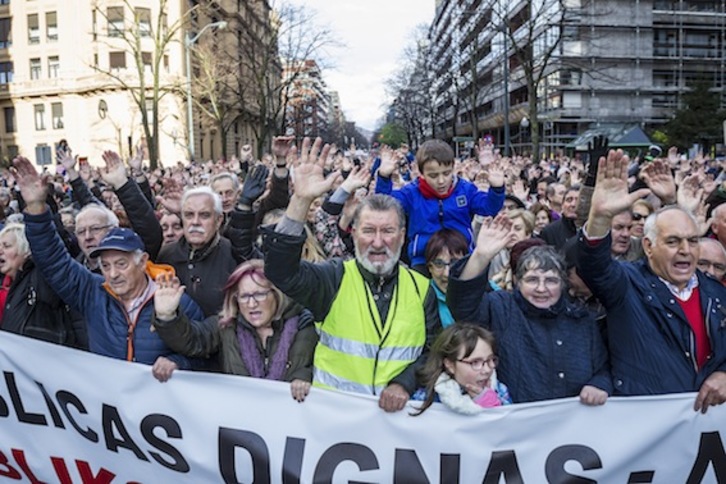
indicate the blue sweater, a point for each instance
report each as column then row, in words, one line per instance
column 104, row 314
column 426, row 216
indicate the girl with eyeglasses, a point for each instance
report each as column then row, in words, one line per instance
column 461, row 372
column 259, row 332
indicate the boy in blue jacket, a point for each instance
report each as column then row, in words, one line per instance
column 438, row 199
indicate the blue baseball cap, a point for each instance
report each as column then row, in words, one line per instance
column 118, row 238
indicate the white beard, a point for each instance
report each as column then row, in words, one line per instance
column 378, row 268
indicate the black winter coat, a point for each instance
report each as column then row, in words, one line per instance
column 33, row 309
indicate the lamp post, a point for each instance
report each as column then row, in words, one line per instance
column 188, row 42
column 507, row 140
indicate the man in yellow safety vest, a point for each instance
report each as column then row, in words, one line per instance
column 377, row 316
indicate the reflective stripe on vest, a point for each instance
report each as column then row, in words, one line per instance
column 365, row 350
column 324, row 379
column 357, row 351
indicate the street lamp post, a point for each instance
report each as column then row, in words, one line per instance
column 507, row 140
column 188, row 42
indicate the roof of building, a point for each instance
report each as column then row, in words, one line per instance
column 619, row 135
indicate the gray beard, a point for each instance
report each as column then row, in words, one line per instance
column 378, row 268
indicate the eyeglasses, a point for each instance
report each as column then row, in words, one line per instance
column 549, row 282
column 257, row 296
column 93, row 230
column 638, row 216
column 440, row 264
column 479, row 363
column 704, row 264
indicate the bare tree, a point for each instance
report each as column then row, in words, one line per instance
column 293, row 37
column 145, row 86
column 534, row 34
column 412, row 89
column 215, row 89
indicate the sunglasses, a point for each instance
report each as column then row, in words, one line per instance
column 638, row 216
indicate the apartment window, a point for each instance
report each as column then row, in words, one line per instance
column 117, row 60
column 33, row 29
column 146, row 61
column 53, row 66
column 56, row 114
column 5, row 33
column 35, row 69
column 143, row 20
column 4, row 2
column 6, row 72
column 94, row 26
column 165, row 61
column 95, row 60
column 9, row 119
column 51, row 26
column 115, row 16
column 13, row 152
column 39, row 112
column 42, row 155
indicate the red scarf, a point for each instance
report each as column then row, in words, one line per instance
column 7, row 281
column 429, row 192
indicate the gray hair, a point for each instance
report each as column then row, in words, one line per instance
column 111, row 218
column 222, row 176
column 18, row 230
column 137, row 254
column 708, row 240
column 70, row 209
column 193, row 192
column 380, row 203
column 544, row 258
column 650, row 230
column 719, row 211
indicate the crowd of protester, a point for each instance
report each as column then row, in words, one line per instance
column 474, row 282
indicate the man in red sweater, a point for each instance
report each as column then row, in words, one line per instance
column 665, row 319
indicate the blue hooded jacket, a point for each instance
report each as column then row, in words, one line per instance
column 426, row 216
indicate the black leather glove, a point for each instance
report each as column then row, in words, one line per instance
column 596, row 149
column 254, row 185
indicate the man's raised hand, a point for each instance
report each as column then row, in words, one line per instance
column 115, row 172
column 32, row 186
column 610, row 196
column 310, row 181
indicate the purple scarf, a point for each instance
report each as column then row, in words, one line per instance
column 252, row 358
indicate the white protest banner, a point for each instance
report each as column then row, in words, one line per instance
column 70, row 417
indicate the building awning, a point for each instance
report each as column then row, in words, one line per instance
column 619, row 136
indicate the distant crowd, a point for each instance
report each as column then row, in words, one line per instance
column 473, row 283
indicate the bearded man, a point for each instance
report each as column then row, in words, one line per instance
column 378, row 317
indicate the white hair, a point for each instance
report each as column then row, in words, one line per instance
column 222, row 176
column 18, row 230
column 650, row 229
column 193, row 192
column 111, row 218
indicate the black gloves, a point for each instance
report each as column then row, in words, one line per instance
column 254, row 185
column 596, row 149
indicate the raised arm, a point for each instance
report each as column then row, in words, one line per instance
column 466, row 295
column 311, row 285
column 610, row 196
column 603, row 275
column 139, row 210
column 196, row 339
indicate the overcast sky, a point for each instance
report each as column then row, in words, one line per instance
column 375, row 33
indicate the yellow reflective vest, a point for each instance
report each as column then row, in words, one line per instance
column 356, row 352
